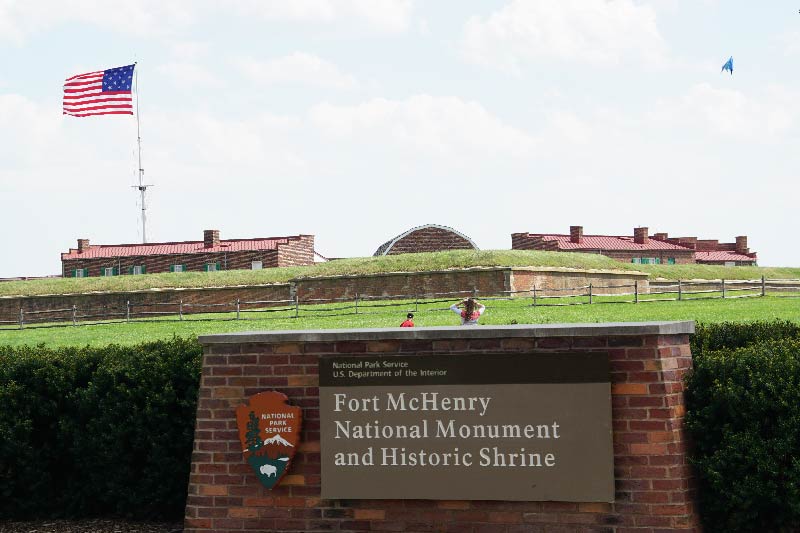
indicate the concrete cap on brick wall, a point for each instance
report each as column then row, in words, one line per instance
column 455, row 332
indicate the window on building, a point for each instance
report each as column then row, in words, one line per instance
column 671, row 261
column 657, row 260
column 177, row 268
column 136, row 270
column 212, row 267
column 636, row 260
column 80, row 273
column 645, row 260
column 256, row 265
column 110, row 271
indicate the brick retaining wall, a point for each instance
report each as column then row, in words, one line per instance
column 484, row 281
column 654, row 489
column 104, row 305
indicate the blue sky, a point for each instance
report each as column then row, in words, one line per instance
column 355, row 120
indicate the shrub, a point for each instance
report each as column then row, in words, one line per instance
column 97, row 431
column 742, row 415
column 722, row 335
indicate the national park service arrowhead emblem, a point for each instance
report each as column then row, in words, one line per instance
column 269, row 429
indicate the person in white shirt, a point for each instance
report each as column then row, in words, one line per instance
column 470, row 310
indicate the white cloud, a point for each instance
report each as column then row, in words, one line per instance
column 447, row 126
column 590, row 31
column 298, row 67
column 732, row 112
column 219, row 147
column 187, row 68
column 187, row 74
column 143, row 17
column 189, row 50
column 391, row 16
column 572, row 127
column 790, row 43
column 19, row 19
column 26, row 129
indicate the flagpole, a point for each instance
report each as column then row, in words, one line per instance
column 142, row 187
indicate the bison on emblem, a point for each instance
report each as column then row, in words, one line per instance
column 269, row 429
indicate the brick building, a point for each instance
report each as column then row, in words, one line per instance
column 428, row 238
column 640, row 247
column 712, row 252
column 210, row 254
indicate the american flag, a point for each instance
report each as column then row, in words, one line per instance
column 105, row 92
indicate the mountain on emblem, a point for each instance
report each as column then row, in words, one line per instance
column 269, row 430
column 277, row 439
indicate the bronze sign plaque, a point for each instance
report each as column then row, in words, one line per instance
column 526, row 427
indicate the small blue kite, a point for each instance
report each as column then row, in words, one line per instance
column 728, row 66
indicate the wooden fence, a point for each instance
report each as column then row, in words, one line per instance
column 376, row 304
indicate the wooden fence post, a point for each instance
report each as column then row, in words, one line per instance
column 21, row 319
column 534, row 295
column 128, row 311
column 636, row 291
column 723, row 288
column 237, row 308
column 296, row 305
column 590, row 294
column 356, row 301
column 680, row 290
column 74, row 312
column 763, row 286
column 180, row 309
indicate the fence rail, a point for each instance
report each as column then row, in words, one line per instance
column 378, row 304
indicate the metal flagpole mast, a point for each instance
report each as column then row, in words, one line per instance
column 142, row 187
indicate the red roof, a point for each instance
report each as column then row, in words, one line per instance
column 608, row 242
column 723, row 255
column 170, row 248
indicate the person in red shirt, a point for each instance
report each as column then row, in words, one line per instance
column 409, row 322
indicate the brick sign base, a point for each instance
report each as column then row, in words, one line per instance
column 653, row 485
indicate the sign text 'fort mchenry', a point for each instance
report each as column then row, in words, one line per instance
column 485, row 426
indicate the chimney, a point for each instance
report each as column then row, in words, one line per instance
column 576, row 234
column 211, row 238
column 640, row 236
column 660, row 236
column 741, row 245
column 690, row 242
column 83, row 244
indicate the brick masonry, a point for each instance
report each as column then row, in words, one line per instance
column 484, row 281
column 296, row 251
column 429, row 238
column 687, row 255
column 654, row 488
column 525, row 241
column 113, row 305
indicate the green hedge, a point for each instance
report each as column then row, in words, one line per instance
column 743, row 415
column 108, row 431
column 730, row 335
column 97, row 431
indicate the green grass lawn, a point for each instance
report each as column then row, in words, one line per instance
column 375, row 265
column 498, row 312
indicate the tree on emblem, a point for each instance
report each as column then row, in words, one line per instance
column 253, row 434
